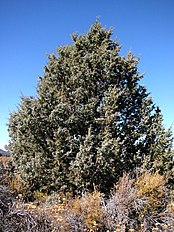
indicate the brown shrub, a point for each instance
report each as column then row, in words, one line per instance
column 4, row 164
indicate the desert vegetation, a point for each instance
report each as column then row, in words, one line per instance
column 89, row 152
column 140, row 204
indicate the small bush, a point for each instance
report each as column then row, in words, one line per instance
column 15, row 218
column 122, row 206
column 88, row 209
column 4, row 170
column 152, row 187
column 6, row 200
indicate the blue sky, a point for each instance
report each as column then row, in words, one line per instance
column 31, row 29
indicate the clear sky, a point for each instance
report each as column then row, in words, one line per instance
column 31, row 29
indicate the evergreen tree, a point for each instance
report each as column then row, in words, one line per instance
column 91, row 120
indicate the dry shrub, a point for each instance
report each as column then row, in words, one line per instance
column 40, row 197
column 53, row 199
column 85, row 213
column 127, row 207
column 14, row 217
column 4, row 175
column 150, row 184
column 152, row 188
column 75, row 214
column 6, row 200
column 19, row 220
column 122, row 206
column 21, row 188
column 136, row 202
column 132, row 202
column 5, row 160
column 17, row 184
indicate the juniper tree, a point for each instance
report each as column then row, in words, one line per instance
column 91, row 121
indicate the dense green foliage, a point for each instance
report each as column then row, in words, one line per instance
column 91, row 120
